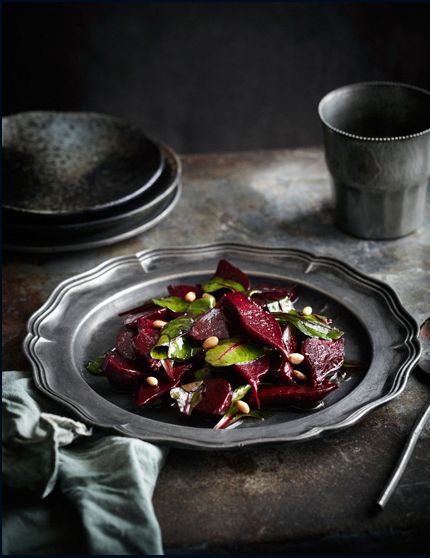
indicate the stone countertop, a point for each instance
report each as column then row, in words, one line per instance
column 312, row 497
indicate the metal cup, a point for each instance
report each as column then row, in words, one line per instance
column 377, row 149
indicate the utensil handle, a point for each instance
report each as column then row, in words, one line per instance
column 405, row 456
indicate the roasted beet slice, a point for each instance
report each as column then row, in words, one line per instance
column 145, row 323
column 289, row 337
column 175, row 373
column 273, row 292
column 252, row 372
column 144, row 341
column 182, row 290
column 323, row 357
column 212, row 322
column 269, row 293
column 146, row 338
column 122, row 374
column 297, row 396
column 146, row 394
column 124, row 345
column 154, row 313
column 216, row 397
column 228, row 271
column 260, row 325
column 285, row 371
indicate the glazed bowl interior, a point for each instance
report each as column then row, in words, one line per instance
column 65, row 164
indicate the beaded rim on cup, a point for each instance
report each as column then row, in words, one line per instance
column 363, row 84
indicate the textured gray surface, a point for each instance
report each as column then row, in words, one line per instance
column 311, row 497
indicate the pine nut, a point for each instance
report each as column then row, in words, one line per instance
column 210, row 342
column 299, row 375
column 159, row 323
column 307, row 311
column 296, row 358
column 243, row 407
column 190, row 296
column 152, row 381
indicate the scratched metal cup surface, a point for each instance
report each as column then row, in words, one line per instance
column 377, row 149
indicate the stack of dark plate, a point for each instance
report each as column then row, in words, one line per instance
column 74, row 181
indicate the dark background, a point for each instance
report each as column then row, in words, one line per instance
column 209, row 76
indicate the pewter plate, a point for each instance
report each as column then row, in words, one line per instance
column 80, row 320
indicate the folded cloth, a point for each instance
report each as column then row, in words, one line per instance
column 70, row 488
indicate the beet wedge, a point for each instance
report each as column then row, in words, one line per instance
column 253, row 372
column 175, row 373
column 259, row 325
column 216, row 397
column 124, row 345
column 323, row 357
column 228, row 271
column 144, row 341
column 122, row 374
column 211, row 323
column 285, row 371
column 210, row 397
column 154, row 313
column 296, row 396
column 147, row 394
column 270, row 293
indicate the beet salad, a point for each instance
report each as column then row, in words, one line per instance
column 226, row 350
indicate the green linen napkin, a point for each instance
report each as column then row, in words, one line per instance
column 70, row 488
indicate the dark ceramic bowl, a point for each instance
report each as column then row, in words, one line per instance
column 20, row 241
column 60, row 166
column 377, row 147
column 141, row 208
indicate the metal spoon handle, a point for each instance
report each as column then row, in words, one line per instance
column 405, row 456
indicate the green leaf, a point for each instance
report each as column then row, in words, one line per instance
column 283, row 305
column 173, row 303
column 172, row 344
column 312, row 325
column 161, row 349
column 200, row 306
column 187, row 396
column 178, row 348
column 233, row 351
column 202, row 373
column 217, row 283
column 177, row 304
column 178, row 326
column 181, row 348
column 240, row 392
column 232, row 415
column 95, row 366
